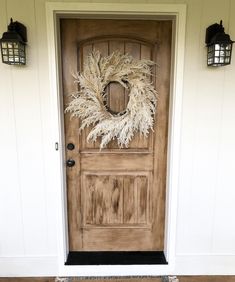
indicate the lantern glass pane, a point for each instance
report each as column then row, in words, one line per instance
column 4, row 45
column 16, row 45
column 10, row 45
column 217, row 47
column 221, row 59
column 210, row 61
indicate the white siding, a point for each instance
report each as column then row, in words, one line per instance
column 205, row 225
column 206, row 230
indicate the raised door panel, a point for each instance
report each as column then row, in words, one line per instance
column 116, row 200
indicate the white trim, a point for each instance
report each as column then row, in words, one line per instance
column 205, row 264
column 178, row 11
column 174, row 137
column 28, row 266
column 115, row 270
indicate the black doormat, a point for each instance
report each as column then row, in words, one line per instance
column 115, row 258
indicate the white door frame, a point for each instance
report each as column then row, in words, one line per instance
column 177, row 12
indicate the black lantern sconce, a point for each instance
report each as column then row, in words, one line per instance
column 219, row 46
column 13, row 44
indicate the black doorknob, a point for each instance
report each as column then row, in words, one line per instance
column 70, row 163
column 70, row 146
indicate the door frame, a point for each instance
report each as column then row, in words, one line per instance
column 176, row 12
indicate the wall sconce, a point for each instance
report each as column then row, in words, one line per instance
column 13, row 43
column 219, row 46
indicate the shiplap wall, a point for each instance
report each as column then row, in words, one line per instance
column 205, row 227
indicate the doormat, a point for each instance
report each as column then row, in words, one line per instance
column 119, row 279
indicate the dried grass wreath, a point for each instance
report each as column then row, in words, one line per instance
column 88, row 104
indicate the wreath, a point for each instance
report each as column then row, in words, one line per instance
column 89, row 103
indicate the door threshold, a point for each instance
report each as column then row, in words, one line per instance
column 115, row 258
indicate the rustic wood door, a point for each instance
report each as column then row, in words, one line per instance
column 116, row 197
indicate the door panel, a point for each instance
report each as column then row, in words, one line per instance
column 117, row 96
column 115, row 200
column 116, row 197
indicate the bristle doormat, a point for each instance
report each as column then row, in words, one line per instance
column 119, row 279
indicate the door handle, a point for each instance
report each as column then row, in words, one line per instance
column 70, row 146
column 70, row 162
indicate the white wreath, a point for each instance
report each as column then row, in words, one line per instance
column 88, row 103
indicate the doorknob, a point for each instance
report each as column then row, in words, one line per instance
column 70, row 146
column 70, row 163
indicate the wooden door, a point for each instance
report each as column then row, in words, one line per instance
column 116, row 197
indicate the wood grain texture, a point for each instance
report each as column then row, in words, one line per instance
column 161, row 131
column 116, row 197
column 116, row 200
column 132, row 162
column 128, row 239
column 71, row 134
column 103, row 199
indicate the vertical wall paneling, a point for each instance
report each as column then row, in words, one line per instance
column 191, row 88
column 209, row 107
column 11, row 221
column 29, row 135
column 223, row 233
column 206, row 124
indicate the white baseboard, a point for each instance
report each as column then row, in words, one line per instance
column 193, row 264
column 114, row 270
column 204, row 264
column 28, row 266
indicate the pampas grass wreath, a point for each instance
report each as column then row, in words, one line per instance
column 88, row 103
